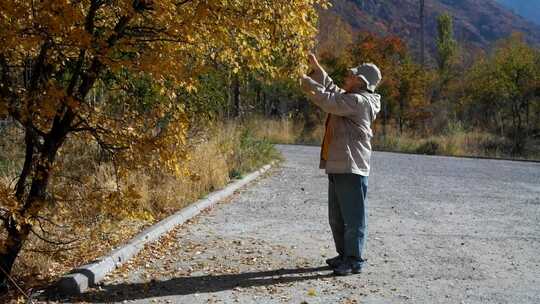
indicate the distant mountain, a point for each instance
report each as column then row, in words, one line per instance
column 530, row 9
column 477, row 23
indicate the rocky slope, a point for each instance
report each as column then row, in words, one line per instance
column 477, row 23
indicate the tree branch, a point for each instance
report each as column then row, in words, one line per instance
column 29, row 142
column 5, row 78
column 39, row 66
column 96, row 66
column 180, row 3
column 49, row 221
column 50, row 241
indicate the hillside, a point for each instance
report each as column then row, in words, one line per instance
column 477, row 23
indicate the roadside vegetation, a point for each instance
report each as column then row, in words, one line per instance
column 461, row 102
column 114, row 115
column 103, row 209
column 455, row 141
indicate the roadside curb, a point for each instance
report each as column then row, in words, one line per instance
column 80, row 279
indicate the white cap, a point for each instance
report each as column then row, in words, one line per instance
column 369, row 73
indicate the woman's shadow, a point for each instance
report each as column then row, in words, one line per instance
column 191, row 285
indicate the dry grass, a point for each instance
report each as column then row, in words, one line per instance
column 285, row 131
column 458, row 143
column 11, row 148
column 97, row 217
column 462, row 143
column 455, row 141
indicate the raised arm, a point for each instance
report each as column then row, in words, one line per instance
column 333, row 102
column 319, row 75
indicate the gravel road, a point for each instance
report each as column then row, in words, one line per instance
column 441, row 230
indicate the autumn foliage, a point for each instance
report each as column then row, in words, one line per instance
column 462, row 101
column 71, row 69
column 110, row 102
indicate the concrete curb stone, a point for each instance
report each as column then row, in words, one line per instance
column 80, row 279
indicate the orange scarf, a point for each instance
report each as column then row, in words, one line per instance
column 326, row 139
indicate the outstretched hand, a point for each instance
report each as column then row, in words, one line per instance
column 312, row 60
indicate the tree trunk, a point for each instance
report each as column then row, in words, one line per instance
column 14, row 242
column 400, row 117
column 516, row 132
column 258, row 98
column 501, row 124
column 527, row 113
column 309, row 124
column 236, row 97
column 384, row 118
column 266, row 105
column 37, row 195
column 520, row 137
column 29, row 142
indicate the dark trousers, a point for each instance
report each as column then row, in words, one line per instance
column 347, row 212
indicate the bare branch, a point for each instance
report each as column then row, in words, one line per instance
column 51, row 241
column 39, row 217
column 180, row 3
column 96, row 66
column 51, row 251
column 96, row 134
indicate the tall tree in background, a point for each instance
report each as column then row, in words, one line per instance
column 443, row 110
column 413, row 105
column 53, row 54
column 446, row 44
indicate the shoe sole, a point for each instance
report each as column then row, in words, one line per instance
column 343, row 274
column 331, row 265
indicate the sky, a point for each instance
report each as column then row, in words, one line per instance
column 530, row 9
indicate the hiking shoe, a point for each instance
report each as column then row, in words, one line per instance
column 349, row 266
column 335, row 261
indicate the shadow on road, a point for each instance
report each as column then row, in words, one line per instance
column 192, row 285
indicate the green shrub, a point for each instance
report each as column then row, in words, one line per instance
column 253, row 152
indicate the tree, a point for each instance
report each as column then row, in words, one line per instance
column 413, row 106
column 442, row 108
column 446, row 45
column 402, row 84
column 55, row 54
column 502, row 89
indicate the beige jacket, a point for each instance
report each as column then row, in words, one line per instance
column 348, row 132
